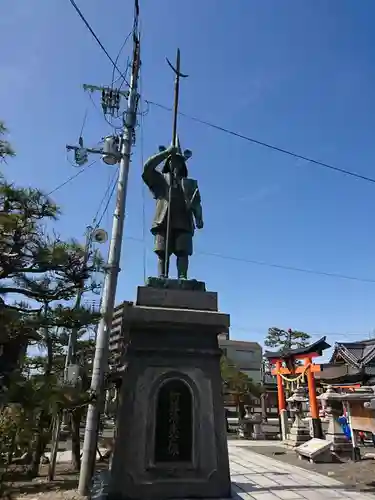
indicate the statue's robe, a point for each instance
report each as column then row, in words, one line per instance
column 185, row 202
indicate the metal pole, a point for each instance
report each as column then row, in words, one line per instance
column 174, row 143
column 72, row 343
column 70, row 358
column 109, row 289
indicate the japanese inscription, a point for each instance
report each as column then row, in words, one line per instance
column 174, row 423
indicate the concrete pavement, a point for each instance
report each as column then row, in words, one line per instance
column 256, row 477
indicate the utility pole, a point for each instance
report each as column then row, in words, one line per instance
column 110, row 283
column 70, row 359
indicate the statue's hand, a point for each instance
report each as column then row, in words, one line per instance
column 199, row 223
column 172, row 150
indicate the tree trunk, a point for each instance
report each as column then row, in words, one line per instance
column 44, row 418
column 76, row 417
column 40, row 443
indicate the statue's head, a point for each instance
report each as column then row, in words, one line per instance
column 179, row 166
column 178, row 161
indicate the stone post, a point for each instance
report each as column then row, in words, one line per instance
column 334, row 409
column 299, row 433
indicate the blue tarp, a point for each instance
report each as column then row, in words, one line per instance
column 343, row 421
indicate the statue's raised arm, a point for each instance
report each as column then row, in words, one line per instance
column 154, row 179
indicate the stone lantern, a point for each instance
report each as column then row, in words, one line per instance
column 334, row 409
column 299, row 433
column 251, row 425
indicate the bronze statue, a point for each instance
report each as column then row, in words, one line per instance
column 178, row 208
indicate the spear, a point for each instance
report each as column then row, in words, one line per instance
column 176, row 70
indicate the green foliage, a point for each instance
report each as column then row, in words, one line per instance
column 5, row 148
column 42, row 281
column 236, row 381
column 286, row 339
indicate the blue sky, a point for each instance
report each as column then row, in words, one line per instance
column 298, row 74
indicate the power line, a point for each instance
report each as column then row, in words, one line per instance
column 288, row 268
column 276, row 266
column 114, row 127
column 263, row 330
column 266, row 145
column 96, row 38
column 226, row 130
column 109, row 191
column 70, row 178
column 118, row 57
column 254, row 141
column 108, row 201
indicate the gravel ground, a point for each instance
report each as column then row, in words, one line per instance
column 64, row 487
column 359, row 475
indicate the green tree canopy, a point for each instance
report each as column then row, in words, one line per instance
column 237, row 382
column 5, row 148
column 40, row 278
column 286, row 339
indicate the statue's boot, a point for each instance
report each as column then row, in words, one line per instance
column 182, row 267
column 161, row 267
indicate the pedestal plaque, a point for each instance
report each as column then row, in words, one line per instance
column 174, row 423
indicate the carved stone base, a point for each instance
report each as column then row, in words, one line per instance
column 245, row 430
column 340, row 444
column 171, row 440
column 175, row 284
column 258, row 434
column 298, row 434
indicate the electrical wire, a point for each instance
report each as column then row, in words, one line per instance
column 128, row 66
column 223, row 129
column 277, row 266
column 108, row 201
column 254, row 141
column 115, row 128
column 83, row 122
column 265, row 144
column 96, row 38
column 71, row 178
column 118, row 56
column 112, row 181
column 288, row 268
column 261, row 329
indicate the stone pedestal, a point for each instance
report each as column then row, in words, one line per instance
column 284, row 424
column 299, row 433
column 251, row 426
column 171, row 440
column 340, row 445
column 258, row 434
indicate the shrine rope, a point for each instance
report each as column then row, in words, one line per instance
column 299, row 377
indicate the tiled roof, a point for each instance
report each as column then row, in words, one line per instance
column 355, row 353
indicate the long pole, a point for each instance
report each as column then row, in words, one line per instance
column 70, row 358
column 71, row 354
column 109, row 288
column 178, row 74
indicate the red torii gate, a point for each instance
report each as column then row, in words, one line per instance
column 307, row 369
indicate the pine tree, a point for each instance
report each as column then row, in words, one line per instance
column 5, row 148
column 236, row 382
column 286, row 339
column 40, row 276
